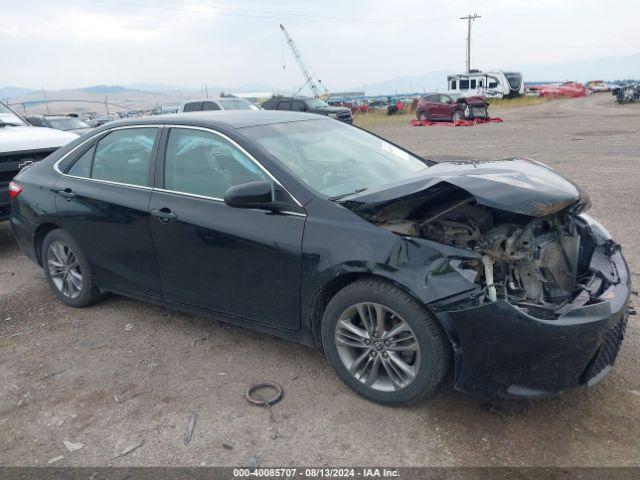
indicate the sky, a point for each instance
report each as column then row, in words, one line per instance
column 349, row 43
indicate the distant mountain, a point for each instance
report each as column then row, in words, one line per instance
column 607, row 68
column 408, row 84
column 11, row 92
column 105, row 89
column 159, row 87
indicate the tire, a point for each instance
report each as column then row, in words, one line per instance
column 423, row 117
column 429, row 357
column 457, row 116
column 73, row 286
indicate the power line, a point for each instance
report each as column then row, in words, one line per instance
column 267, row 14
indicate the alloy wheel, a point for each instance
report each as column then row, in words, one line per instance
column 64, row 269
column 377, row 346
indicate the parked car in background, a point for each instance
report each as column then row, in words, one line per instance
column 101, row 118
column 309, row 105
column 67, row 123
column 566, row 90
column 303, row 227
column 224, row 103
column 599, row 86
column 20, row 145
column 451, row 107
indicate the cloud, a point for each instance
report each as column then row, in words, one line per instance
column 85, row 26
column 142, row 25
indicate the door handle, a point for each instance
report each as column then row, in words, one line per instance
column 164, row 214
column 66, row 193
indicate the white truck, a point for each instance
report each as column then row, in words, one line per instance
column 490, row 84
column 20, row 145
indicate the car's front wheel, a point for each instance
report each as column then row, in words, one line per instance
column 67, row 270
column 423, row 117
column 457, row 116
column 384, row 344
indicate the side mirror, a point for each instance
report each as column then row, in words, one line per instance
column 251, row 195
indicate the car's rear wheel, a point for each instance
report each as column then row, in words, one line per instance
column 457, row 116
column 67, row 270
column 423, row 117
column 384, row 344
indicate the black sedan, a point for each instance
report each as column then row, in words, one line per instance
column 319, row 232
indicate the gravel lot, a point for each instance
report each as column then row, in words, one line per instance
column 124, row 372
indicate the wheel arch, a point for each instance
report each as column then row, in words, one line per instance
column 324, row 296
column 39, row 235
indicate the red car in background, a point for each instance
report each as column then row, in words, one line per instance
column 451, row 107
column 567, row 89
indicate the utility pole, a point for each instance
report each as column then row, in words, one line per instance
column 469, row 19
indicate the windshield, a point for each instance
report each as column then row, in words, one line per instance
column 335, row 159
column 236, row 104
column 316, row 103
column 67, row 123
column 8, row 117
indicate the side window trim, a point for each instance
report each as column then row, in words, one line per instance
column 162, row 155
column 84, row 147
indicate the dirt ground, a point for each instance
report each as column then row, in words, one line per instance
column 123, row 372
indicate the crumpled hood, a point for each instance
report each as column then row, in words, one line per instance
column 16, row 139
column 518, row 185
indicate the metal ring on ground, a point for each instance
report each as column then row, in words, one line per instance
column 264, row 402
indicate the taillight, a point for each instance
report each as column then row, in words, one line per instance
column 15, row 189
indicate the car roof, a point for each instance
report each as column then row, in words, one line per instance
column 289, row 98
column 228, row 118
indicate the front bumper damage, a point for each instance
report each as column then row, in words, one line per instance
column 502, row 349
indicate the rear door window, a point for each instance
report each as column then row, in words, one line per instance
column 192, row 107
column 210, row 106
column 82, row 166
column 123, row 156
column 299, row 106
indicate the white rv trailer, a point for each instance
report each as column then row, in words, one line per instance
column 489, row 84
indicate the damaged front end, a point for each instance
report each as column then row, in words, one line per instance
column 546, row 286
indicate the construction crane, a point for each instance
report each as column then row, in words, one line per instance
column 316, row 86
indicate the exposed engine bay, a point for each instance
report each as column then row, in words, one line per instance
column 546, row 265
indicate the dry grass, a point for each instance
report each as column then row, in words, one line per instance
column 517, row 102
column 380, row 117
